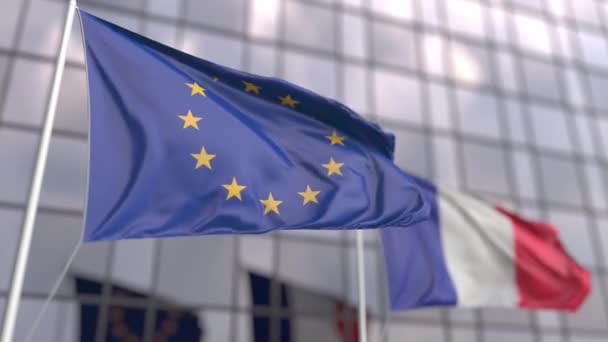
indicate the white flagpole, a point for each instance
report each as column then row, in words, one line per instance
column 10, row 314
column 361, row 283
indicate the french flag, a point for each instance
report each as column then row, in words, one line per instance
column 471, row 254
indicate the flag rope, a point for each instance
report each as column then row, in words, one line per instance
column 27, row 231
column 53, row 293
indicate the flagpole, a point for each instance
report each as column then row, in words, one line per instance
column 27, row 231
column 361, row 283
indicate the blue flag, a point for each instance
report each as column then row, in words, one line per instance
column 127, row 323
column 182, row 146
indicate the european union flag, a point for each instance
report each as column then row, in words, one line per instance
column 183, row 146
column 127, row 323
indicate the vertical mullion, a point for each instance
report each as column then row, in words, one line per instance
column 455, row 133
column 420, row 30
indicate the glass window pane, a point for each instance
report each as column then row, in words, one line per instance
column 310, row 26
column 541, row 79
column 574, row 229
column 9, row 15
column 598, row 91
column 596, row 178
column 226, row 14
column 216, row 48
column 402, row 332
column 391, row 92
column 9, row 238
column 163, row 8
column 318, row 267
column 465, row 16
column 506, row 67
column 217, row 325
column 478, row 114
column 593, row 312
column 594, row 49
column 507, row 336
column 463, row 335
column 585, row 135
column 586, row 11
column 506, row 316
column 72, row 109
column 31, row 80
column 50, row 328
column 161, row 32
column 354, row 39
column 311, row 72
column 263, row 60
column 531, row 4
column 43, row 28
column 551, row 128
column 411, row 152
column 55, row 237
column 394, row 45
column 524, row 175
column 434, row 49
column 355, row 88
column 499, row 21
column 440, row 107
column 485, row 168
column 430, row 12
column 445, row 161
column 565, row 42
column 257, row 253
column 133, row 263
column 15, row 176
column 560, row 180
column 374, row 282
column 3, row 67
column 576, row 96
column 470, row 64
column 402, row 9
column 516, row 122
column 264, row 18
column 533, row 34
column 66, row 173
column 208, row 279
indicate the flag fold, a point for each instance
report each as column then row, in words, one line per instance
column 471, row 254
column 181, row 146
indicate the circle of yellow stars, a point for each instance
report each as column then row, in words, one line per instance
column 234, row 189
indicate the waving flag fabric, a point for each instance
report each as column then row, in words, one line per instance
column 127, row 323
column 333, row 320
column 183, row 146
column 472, row 254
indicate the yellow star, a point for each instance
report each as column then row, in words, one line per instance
column 203, row 158
column 288, row 101
column 190, row 120
column 234, row 189
column 250, row 87
column 309, row 195
column 335, row 138
column 271, row 204
column 333, row 167
column 196, row 89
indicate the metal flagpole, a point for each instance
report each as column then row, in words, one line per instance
column 361, row 282
column 10, row 315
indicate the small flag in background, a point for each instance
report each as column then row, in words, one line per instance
column 472, row 254
column 333, row 320
column 128, row 323
column 183, row 146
